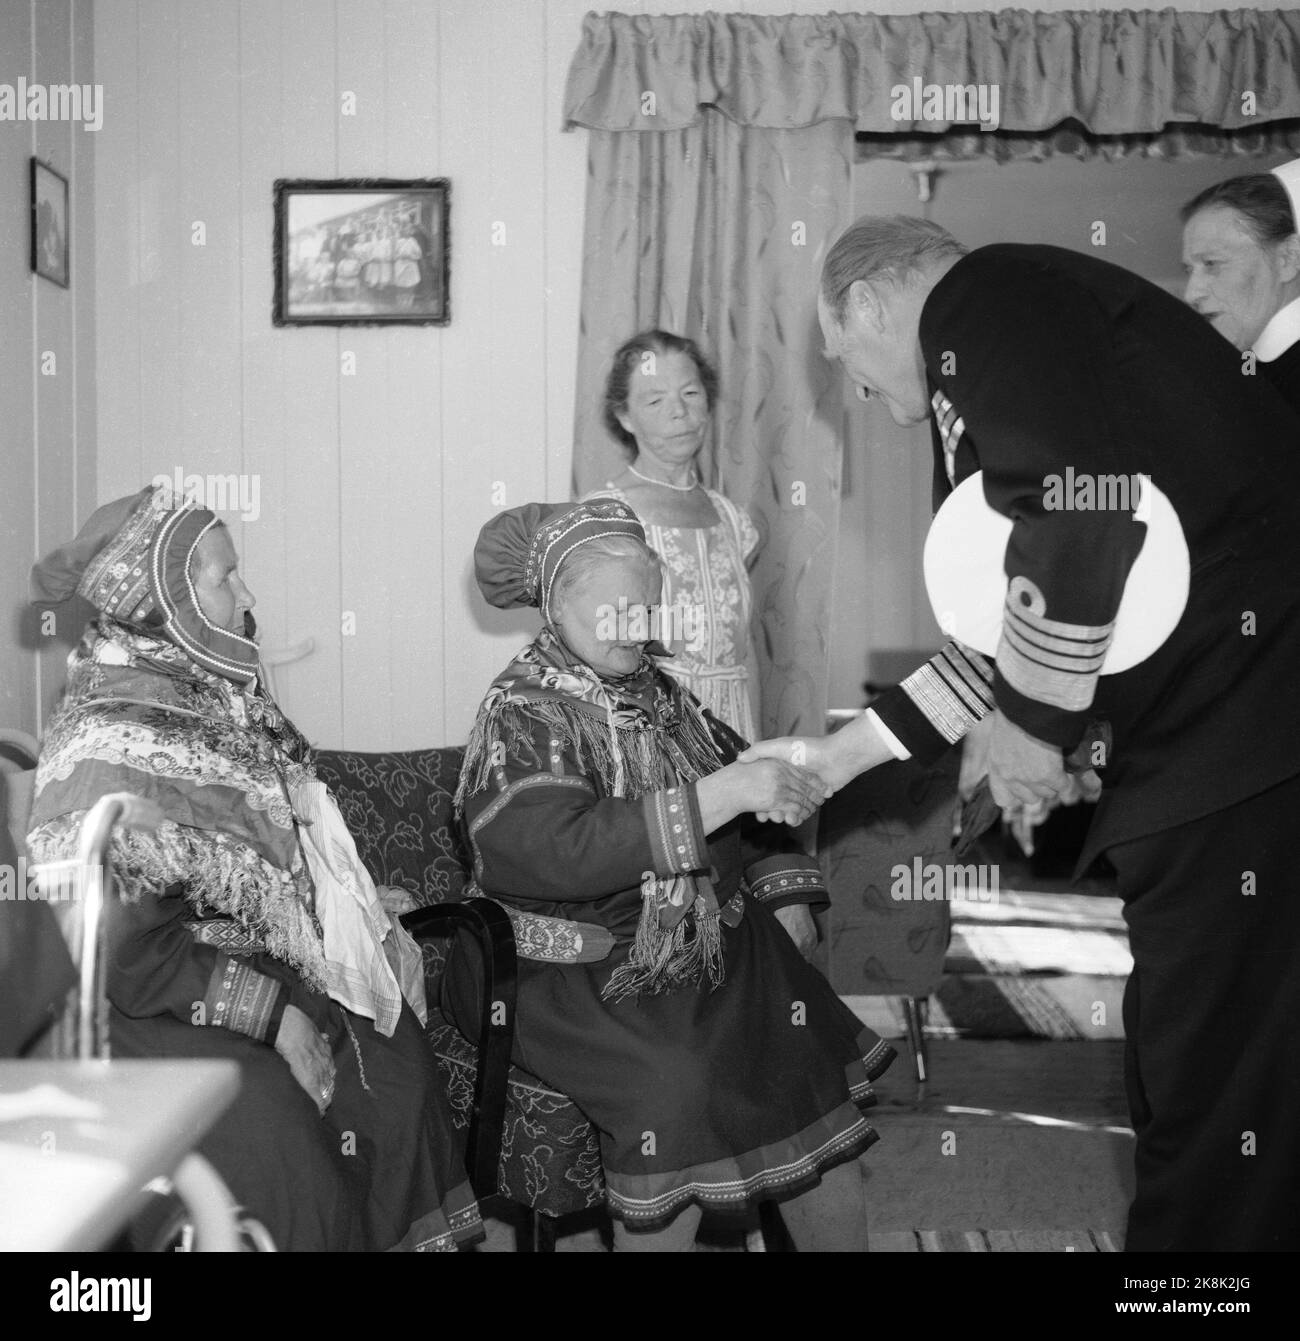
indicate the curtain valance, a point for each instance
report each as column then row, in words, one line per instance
column 1115, row 71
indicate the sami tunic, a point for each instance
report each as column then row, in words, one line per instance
column 717, row 1095
column 210, row 942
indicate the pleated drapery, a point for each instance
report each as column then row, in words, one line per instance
column 1118, row 72
column 719, row 172
column 718, row 231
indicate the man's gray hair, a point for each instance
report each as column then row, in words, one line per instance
column 883, row 246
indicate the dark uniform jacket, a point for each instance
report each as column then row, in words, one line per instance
column 1043, row 360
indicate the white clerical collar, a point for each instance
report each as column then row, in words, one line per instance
column 1282, row 331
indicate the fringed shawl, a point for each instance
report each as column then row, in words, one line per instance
column 140, row 716
column 637, row 734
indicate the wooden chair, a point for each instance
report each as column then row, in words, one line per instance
column 879, row 945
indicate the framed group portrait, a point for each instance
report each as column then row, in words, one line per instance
column 369, row 251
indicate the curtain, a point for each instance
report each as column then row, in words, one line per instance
column 718, row 231
column 1118, row 72
column 719, row 170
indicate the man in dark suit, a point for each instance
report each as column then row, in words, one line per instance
column 1031, row 360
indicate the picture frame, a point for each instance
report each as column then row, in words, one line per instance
column 50, row 240
column 362, row 251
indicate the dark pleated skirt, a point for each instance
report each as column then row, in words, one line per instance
column 382, row 1169
column 720, row 1097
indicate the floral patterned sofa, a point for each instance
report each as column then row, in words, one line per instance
column 399, row 809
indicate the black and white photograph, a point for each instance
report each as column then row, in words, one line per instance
column 361, row 252
column 668, row 629
column 50, row 241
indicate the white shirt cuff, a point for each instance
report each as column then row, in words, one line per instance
column 896, row 746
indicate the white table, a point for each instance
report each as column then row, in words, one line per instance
column 79, row 1141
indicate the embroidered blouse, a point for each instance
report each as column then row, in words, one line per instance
column 705, row 577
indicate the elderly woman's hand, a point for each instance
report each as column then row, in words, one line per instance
column 769, row 788
column 308, row 1054
column 396, row 900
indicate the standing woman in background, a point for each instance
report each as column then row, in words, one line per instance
column 659, row 400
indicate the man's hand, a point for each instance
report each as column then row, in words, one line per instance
column 308, row 1055
column 812, row 752
column 1022, row 770
column 779, row 790
column 975, row 757
column 837, row 759
column 769, row 788
column 797, row 919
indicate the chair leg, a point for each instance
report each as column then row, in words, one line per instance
column 544, row 1235
column 776, row 1237
column 914, row 1012
column 538, row 1231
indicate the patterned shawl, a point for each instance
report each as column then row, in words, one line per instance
column 637, row 734
column 139, row 715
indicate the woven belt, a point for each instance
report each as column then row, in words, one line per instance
column 224, row 933
column 556, row 940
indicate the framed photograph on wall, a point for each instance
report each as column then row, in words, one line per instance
column 362, row 252
column 50, row 242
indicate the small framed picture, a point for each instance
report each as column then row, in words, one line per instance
column 50, row 223
column 362, row 252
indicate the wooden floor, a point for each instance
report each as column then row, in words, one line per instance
column 1022, row 1138
column 593, row 1240
column 996, row 1241
column 1014, row 1146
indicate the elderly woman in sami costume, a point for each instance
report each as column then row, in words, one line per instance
column 656, row 987
column 246, row 927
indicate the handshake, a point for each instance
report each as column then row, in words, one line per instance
column 787, row 778
column 784, row 780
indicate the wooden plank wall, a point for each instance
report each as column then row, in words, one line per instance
column 373, row 486
column 47, row 406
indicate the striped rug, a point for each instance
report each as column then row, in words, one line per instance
column 1030, row 966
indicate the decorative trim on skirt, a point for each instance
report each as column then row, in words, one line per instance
column 779, row 1169
column 455, row 1224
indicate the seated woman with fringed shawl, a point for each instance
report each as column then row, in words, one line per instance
column 657, row 988
column 246, row 926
